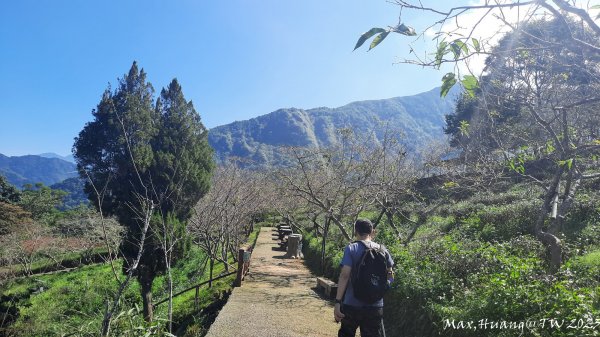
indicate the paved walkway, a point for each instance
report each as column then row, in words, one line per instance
column 275, row 300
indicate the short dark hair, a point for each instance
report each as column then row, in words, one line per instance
column 363, row 226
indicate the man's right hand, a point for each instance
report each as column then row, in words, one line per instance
column 337, row 313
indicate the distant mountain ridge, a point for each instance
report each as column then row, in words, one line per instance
column 30, row 169
column 68, row 158
column 261, row 139
column 419, row 117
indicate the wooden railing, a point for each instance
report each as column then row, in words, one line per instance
column 197, row 287
column 244, row 255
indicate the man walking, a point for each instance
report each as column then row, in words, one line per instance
column 366, row 272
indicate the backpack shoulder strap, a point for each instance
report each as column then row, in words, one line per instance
column 370, row 245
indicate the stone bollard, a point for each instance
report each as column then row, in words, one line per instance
column 294, row 246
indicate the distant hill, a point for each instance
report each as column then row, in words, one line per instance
column 260, row 140
column 74, row 188
column 420, row 117
column 68, row 158
column 33, row 169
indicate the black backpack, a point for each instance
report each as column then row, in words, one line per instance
column 369, row 275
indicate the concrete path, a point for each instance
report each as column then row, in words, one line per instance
column 275, row 300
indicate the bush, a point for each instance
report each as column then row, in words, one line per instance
column 311, row 247
column 585, row 269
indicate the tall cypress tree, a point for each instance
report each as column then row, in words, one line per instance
column 135, row 151
column 183, row 159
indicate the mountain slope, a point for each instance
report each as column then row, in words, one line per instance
column 68, row 158
column 419, row 117
column 75, row 194
column 261, row 139
column 33, row 169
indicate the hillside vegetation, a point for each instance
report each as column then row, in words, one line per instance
column 477, row 260
column 21, row 170
column 260, row 141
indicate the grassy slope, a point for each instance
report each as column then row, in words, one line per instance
column 73, row 302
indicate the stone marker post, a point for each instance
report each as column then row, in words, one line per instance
column 293, row 246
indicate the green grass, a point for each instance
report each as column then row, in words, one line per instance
column 591, row 259
column 73, row 302
column 43, row 265
column 62, row 303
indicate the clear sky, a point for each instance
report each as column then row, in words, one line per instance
column 235, row 59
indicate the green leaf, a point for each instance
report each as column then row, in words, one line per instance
column 568, row 163
column 458, row 47
column 476, row 44
column 441, row 51
column 464, row 128
column 450, row 184
column 550, row 147
column 463, row 46
column 455, row 50
column 378, row 39
column 448, row 81
column 404, row 30
column 470, row 83
column 367, row 35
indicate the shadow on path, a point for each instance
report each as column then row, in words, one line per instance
column 277, row 298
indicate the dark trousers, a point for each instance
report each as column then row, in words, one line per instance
column 369, row 320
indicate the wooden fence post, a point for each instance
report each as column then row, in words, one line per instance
column 240, row 271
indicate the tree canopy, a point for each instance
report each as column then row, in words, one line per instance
column 145, row 162
column 464, row 33
column 8, row 192
column 526, row 82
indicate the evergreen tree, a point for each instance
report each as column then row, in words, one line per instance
column 135, row 151
column 183, row 159
column 8, row 192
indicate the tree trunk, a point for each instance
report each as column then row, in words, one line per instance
column 548, row 239
column 325, row 233
column 170, row 283
column 376, row 223
column 390, row 220
column 145, row 278
column 554, row 246
column 210, row 272
column 422, row 218
column 224, row 253
column 316, row 224
column 341, row 228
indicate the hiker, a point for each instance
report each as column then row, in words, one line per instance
column 363, row 306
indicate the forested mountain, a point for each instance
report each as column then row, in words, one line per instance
column 74, row 188
column 419, row 117
column 260, row 140
column 68, row 158
column 31, row 169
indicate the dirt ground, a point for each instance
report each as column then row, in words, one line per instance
column 276, row 299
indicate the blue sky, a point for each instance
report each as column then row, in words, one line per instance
column 235, row 59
